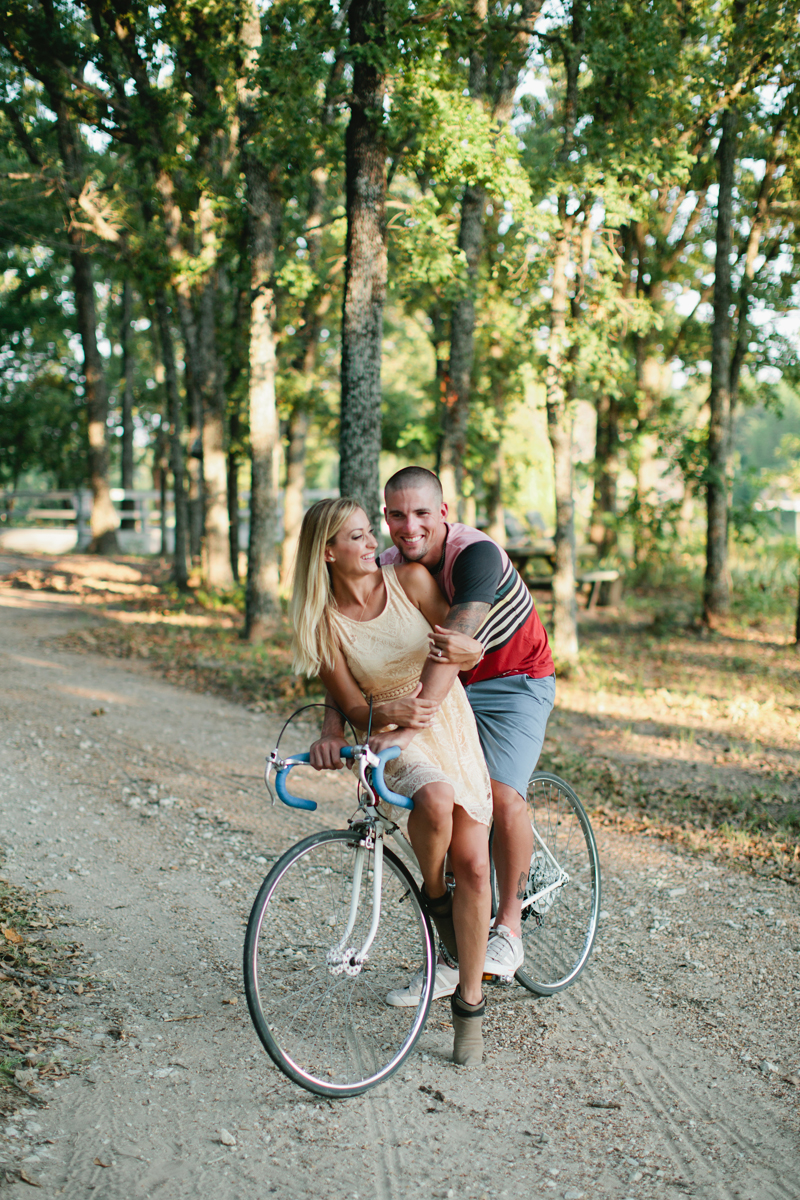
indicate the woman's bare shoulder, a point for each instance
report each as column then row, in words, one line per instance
column 414, row 579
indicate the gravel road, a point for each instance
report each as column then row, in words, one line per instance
column 138, row 811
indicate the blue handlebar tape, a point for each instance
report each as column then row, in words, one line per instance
column 383, row 791
column 280, row 784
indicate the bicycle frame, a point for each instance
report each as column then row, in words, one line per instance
column 343, row 958
column 376, row 789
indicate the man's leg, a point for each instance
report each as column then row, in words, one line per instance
column 511, row 713
column 512, row 849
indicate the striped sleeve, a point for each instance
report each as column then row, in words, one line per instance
column 513, row 605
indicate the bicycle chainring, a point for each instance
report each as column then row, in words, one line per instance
column 541, row 875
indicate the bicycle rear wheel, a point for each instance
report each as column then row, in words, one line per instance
column 326, row 1024
column 558, row 931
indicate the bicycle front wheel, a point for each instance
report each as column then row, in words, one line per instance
column 320, row 1014
column 558, row 929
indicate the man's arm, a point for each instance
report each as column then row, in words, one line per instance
column 437, row 678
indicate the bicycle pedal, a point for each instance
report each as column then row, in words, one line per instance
column 506, row 980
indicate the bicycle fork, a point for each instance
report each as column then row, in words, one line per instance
column 344, row 958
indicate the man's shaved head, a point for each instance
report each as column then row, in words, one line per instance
column 414, row 477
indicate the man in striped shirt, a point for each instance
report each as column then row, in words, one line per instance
column 511, row 689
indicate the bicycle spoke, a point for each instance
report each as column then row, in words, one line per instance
column 334, row 1033
column 558, row 928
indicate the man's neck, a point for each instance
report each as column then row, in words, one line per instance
column 434, row 561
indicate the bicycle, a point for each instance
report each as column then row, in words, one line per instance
column 338, row 922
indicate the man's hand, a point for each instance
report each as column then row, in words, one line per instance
column 450, row 646
column 410, row 711
column 391, row 737
column 325, row 753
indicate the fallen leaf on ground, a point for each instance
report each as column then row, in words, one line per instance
column 26, row 1178
column 98, row 1162
column 11, row 935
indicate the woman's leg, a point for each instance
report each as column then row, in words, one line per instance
column 472, row 903
column 430, row 829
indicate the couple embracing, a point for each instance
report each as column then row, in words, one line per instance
column 444, row 601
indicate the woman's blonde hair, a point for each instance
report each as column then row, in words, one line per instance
column 313, row 642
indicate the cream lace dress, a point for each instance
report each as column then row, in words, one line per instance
column 386, row 657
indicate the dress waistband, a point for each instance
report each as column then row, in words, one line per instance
column 394, row 693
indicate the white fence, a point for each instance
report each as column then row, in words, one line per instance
column 57, row 522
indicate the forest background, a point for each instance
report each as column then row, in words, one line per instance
column 549, row 249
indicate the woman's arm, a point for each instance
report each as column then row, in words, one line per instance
column 409, row 711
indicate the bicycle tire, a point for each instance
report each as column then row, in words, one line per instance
column 334, row 1034
column 558, row 938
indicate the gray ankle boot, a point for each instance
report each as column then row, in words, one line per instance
column 467, row 1030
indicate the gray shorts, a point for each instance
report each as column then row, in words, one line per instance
column 511, row 712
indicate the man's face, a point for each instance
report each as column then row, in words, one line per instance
column 416, row 519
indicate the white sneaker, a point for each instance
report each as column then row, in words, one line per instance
column 445, row 984
column 504, row 954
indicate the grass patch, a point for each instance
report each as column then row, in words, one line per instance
column 685, row 733
column 211, row 658
column 34, row 973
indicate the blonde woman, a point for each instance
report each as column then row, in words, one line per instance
column 366, row 632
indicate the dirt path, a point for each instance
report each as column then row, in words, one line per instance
column 148, row 827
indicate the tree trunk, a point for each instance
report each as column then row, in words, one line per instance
column 216, row 545
column 192, row 372
column 103, row 521
column 126, row 473
column 495, row 513
column 233, row 511
column 160, row 478
column 262, row 603
column 462, row 352
column 180, row 571
column 603, row 530
column 560, row 431
column 495, row 63
column 293, row 500
column 365, row 266
column 565, row 612
column 716, row 589
column 315, row 306
column 559, row 383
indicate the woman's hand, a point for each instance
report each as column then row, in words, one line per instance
column 410, row 711
column 449, row 646
column 325, row 753
column 391, row 737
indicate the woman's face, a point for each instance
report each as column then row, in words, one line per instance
column 352, row 551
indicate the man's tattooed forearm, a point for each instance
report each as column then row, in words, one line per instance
column 466, row 618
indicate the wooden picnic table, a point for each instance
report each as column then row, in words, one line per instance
column 522, row 554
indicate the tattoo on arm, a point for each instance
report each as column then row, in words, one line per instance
column 522, row 884
column 466, row 618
